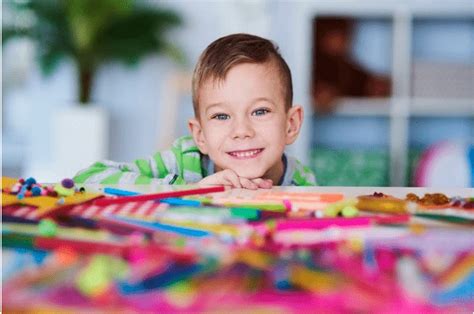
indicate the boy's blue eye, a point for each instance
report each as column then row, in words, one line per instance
column 260, row 112
column 220, row 116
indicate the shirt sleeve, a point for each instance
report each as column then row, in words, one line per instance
column 161, row 168
column 303, row 176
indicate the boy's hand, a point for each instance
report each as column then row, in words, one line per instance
column 230, row 178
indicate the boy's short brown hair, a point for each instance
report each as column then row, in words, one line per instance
column 226, row 52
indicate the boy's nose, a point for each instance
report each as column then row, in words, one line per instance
column 242, row 128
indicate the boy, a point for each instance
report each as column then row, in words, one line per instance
column 244, row 117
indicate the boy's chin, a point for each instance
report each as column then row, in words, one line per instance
column 249, row 173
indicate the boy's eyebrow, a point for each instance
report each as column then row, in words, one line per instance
column 263, row 99
column 214, row 105
column 217, row 104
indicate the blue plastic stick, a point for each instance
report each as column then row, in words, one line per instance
column 174, row 201
column 190, row 232
column 119, row 192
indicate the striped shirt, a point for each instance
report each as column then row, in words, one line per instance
column 182, row 164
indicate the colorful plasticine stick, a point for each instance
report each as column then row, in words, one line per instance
column 322, row 223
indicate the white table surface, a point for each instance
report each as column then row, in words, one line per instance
column 347, row 191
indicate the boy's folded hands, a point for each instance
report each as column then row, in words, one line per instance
column 228, row 177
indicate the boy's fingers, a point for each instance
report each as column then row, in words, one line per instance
column 262, row 183
column 269, row 183
column 225, row 177
column 248, row 184
column 232, row 178
column 259, row 182
column 210, row 181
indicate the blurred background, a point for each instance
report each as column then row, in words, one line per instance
column 387, row 86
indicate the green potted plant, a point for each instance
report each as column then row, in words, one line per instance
column 89, row 33
column 92, row 32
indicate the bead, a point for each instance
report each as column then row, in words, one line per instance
column 434, row 199
column 332, row 210
column 468, row 205
column 350, row 211
column 67, row 183
column 412, row 197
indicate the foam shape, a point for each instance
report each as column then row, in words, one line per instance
column 8, row 182
column 46, row 204
column 446, row 164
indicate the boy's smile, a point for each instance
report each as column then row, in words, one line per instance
column 245, row 154
column 242, row 123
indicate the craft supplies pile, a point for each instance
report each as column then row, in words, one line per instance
column 189, row 249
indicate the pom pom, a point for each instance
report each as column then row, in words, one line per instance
column 67, row 183
column 30, row 181
column 36, row 191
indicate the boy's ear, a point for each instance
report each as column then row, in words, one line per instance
column 294, row 121
column 198, row 136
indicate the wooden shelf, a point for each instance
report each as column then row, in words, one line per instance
column 402, row 106
column 416, row 107
column 363, row 107
column 450, row 107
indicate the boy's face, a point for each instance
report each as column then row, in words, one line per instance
column 242, row 123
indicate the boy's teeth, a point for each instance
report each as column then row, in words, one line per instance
column 246, row 154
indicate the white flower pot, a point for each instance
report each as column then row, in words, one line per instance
column 80, row 137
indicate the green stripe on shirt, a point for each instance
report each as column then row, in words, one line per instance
column 183, row 160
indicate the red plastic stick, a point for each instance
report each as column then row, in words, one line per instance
column 157, row 196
